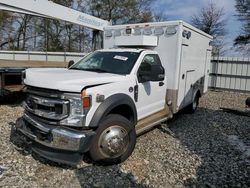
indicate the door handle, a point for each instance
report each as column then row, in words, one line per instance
column 161, row 84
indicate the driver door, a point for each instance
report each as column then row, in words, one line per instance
column 151, row 86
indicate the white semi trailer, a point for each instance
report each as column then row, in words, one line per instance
column 145, row 74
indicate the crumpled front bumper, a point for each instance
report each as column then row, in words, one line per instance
column 59, row 144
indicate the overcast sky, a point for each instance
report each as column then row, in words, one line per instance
column 184, row 9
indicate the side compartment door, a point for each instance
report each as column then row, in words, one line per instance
column 182, row 77
column 151, row 86
column 189, row 91
column 187, row 77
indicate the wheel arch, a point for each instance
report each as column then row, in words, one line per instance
column 197, row 93
column 121, row 104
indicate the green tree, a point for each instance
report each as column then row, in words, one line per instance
column 15, row 31
column 23, row 32
column 51, row 32
column 56, row 34
column 119, row 12
column 5, row 28
column 3, row 17
column 242, row 42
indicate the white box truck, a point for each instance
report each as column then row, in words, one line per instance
column 145, row 74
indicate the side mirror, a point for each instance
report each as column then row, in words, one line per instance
column 144, row 76
column 157, row 73
column 144, row 73
column 71, row 62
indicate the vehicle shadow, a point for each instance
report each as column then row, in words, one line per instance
column 108, row 176
column 12, row 99
column 87, row 174
column 207, row 134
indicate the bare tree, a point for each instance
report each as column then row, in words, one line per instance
column 22, row 32
column 160, row 16
column 22, row 23
column 16, row 32
column 119, row 12
column 242, row 42
column 211, row 20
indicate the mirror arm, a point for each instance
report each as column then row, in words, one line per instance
column 71, row 62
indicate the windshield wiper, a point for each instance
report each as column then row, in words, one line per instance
column 74, row 68
column 96, row 70
column 91, row 70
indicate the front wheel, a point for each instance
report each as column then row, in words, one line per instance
column 114, row 141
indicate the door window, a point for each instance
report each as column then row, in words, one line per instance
column 150, row 69
column 150, row 59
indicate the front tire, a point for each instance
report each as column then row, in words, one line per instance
column 114, row 141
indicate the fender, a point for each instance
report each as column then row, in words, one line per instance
column 109, row 104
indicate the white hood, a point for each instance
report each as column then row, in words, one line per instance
column 67, row 80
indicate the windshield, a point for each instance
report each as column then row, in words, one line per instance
column 108, row 62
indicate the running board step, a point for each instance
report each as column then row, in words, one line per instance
column 150, row 122
column 142, row 129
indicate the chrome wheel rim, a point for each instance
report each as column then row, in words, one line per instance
column 113, row 141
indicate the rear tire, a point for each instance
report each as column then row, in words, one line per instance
column 248, row 102
column 114, row 141
column 194, row 105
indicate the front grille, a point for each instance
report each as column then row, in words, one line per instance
column 47, row 109
column 53, row 107
column 56, row 108
column 40, row 103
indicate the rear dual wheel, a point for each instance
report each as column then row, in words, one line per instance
column 248, row 102
column 114, row 141
column 194, row 105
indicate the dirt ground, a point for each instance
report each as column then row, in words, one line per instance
column 210, row 148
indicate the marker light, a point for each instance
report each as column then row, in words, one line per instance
column 108, row 34
column 86, row 100
column 147, row 31
column 158, row 31
column 171, row 31
column 117, row 33
column 128, row 31
column 137, row 31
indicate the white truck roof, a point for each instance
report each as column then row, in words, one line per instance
column 159, row 24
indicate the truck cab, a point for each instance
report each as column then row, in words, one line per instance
column 94, row 105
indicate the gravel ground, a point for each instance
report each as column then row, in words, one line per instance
column 210, row 148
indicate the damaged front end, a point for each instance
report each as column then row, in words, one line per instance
column 53, row 122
